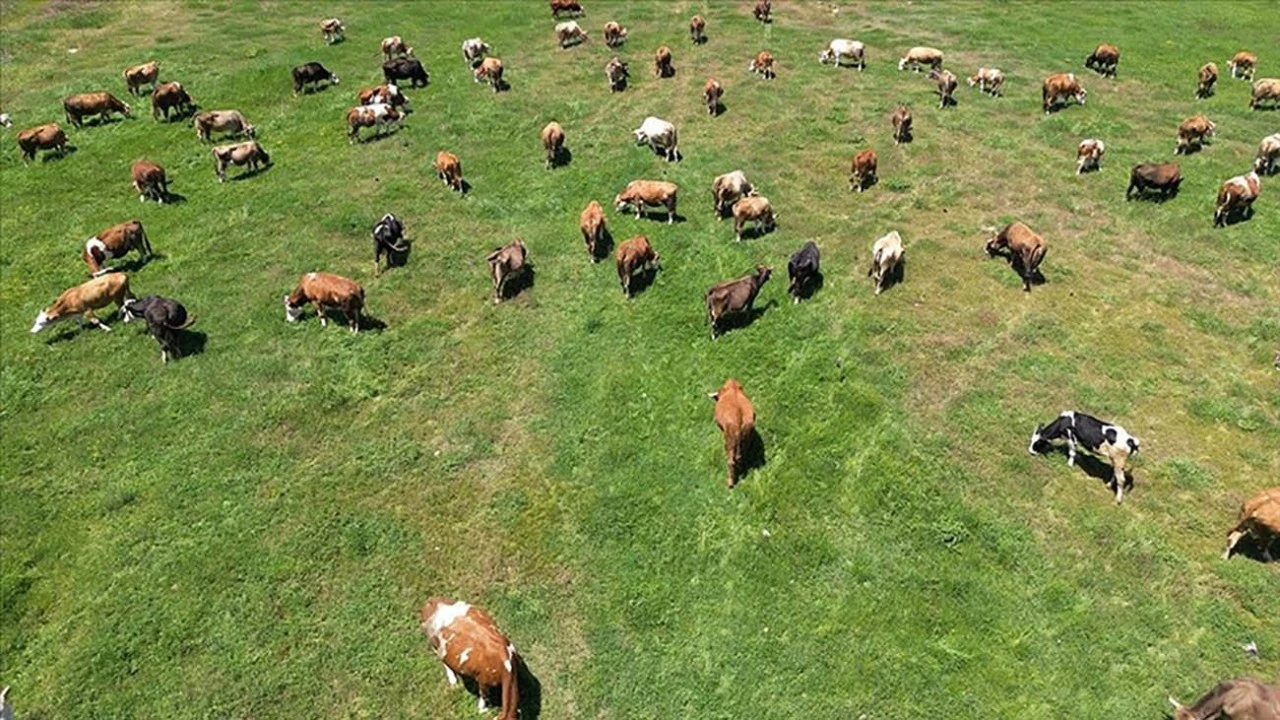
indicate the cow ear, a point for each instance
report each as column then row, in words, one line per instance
column 714, row 395
column 1110, row 435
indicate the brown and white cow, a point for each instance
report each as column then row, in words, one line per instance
column 1195, row 129
column 734, row 296
column 570, row 33
column 1207, row 78
column 82, row 300
column 42, row 137
column 553, row 142
column 886, row 254
column 170, row 96
column 727, row 189
column 947, row 83
column 1164, row 178
column 246, row 153
column 449, row 169
column 988, row 80
column 634, row 255
column 762, row 11
column 901, row 120
column 1268, row 158
column 662, row 66
column 614, row 34
column 754, row 209
column 1024, row 249
column 642, row 193
column 505, row 264
column 762, row 65
column 569, row 7
column 333, row 30
column 737, row 421
column 378, row 117
column 394, row 47
column 139, row 75
column 1236, row 196
column 1061, row 86
column 712, row 91
column 227, row 121
column 617, row 73
column 841, row 48
column 387, row 94
column 326, row 291
column 474, row 49
column 1243, row 64
column 594, row 229
column 490, row 69
column 862, row 171
column 1239, row 699
column 1104, row 60
column 77, row 107
column 1266, row 89
column 115, row 242
column 1260, row 519
column 469, row 644
column 698, row 30
column 150, row 181
column 917, row 57
column 1089, row 155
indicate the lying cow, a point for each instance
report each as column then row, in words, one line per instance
column 1104, row 60
column 1236, row 196
column 469, row 644
column 947, row 83
column 803, row 270
column 1207, row 78
column 762, row 11
column 737, row 421
column 115, row 242
column 474, row 49
column 378, row 117
column 1089, row 155
column 634, row 255
column 1164, row 178
column 918, row 57
column 1242, row 65
column 1195, row 129
column 1239, row 699
column 614, row 34
column 734, row 296
column 662, row 66
column 139, row 75
column 246, row 153
column 553, row 143
column 660, row 136
column 165, row 319
column 712, row 92
column 312, row 73
column 1265, row 90
column 839, row 49
column 1023, row 247
column 82, row 300
column 230, row 122
column 449, row 169
column 1061, row 87
column 886, row 255
column 326, row 291
column 642, row 193
column 406, row 69
column 170, row 96
column 762, row 65
column 727, row 189
column 42, row 137
column 862, row 171
column 385, row 94
column 394, row 47
column 333, row 31
column 570, row 33
column 988, row 80
column 901, row 120
column 617, row 73
column 507, row 264
column 78, row 107
column 388, row 238
column 698, row 30
column 594, row 229
column 1107, row 440
column 1260, row 519
column 490, row 69
column 757, row 210
column 150, row 181
column 1268, row 158
column 567, row 7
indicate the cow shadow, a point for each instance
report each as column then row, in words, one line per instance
column 312, row 89
column 562, row 158
column 503, row 86
column 949, row 102
column 603, row 247
column 897, row 275
column 811, row 286
column 739, row 320
column 1191, row 149
column 719, row 109
column 753, row 453
column 251, row 172
column 173, row 198
column 379, row 137
column 136, row 263
column 867, row 183
column 660, row 216
column 702, row 40
column 1093, row 467
column 757, row 231
column 520, row 283
column 1238, row 215
column 101, row 120
column 907, row 137
column 55, row 156
column 667, row 71
column 643, row 279
column 399, row 258
column 663, row 154
column 191, row 342
column 1159, row 197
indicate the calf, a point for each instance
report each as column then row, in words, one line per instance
column 568, row 7
column 1236, row 196
column 333, row 31
column 642, row 193
column 138, row 75
column 901, row 120
column 1207, row 79
column 1194, row 129
column 593, row 226
column 388, row 238
column 988, row 80
column 1268, row 158
column 312, row 73
column 506, row 264
column 490, row 69
column 168, row 96
column 946, row 86
column 406, row 69
column 734, row 296
column 863, row 170
column 1023, row 247
column 246, row 153
column 394, row 47
column 474, row 50
column 115, row 242
column 82, row 300
column 616, row 71
column 762, row 11
column 377, row 116
column 569, row 33
column 5, row 120
column 712, row 91
column 1107, row 440
column 917, row 57
column 1089, row 155
column 385, row 94
column 1242, row 65
column 77, row 107
column 226, row 121
column 1161, row 177
column 42, row 137
column 449, row 169
column 1267, row 89
column 660, row 136
column 553, row 143
column 614, row 34
column 841, row 48
column 1260, row 518
column 469, row 643
column 755, row 209
column 1239, row 699
column 1061, row 86
column 762, row 65
column 886, row 254
column 803, row 270
column 326, row 291
column 727, row 189
column 737, row 421
column 698, row 30
column 165, row 319
column 1104, row 60
column 634, row 255
column 662, row 66
column 150, row 181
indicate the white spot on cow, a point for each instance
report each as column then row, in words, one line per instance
column 507, row 664
column 311, row 276
column 462, row 659
column 444, row 615
column 451, row 676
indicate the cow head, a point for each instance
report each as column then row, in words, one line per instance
column 902, row 64
column 641, row 136
column 619, row 203
column 825, row 55
column 763, row 272
column 1035, row 440
column 250, row 130
column 127, row 310
column 291, row 313
column 1080, row 95
column 43, row 320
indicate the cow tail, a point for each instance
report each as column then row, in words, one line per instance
column 511, row 687
column 875, row 261
column 191, row 320
column 1037, row 256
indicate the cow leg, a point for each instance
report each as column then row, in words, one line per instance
column 450, row 676
column 1071, row 449
column 1232, row 539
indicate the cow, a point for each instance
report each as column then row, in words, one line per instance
column 762, row 11
column 553, row 143
column 947, row 83
column 150, row 181
column 886, row 254
column 490, row 69
column 115, row 242
column 901, row 120
column 1161, row 177
column 506, row 264
column 762, row 65
column 385, row 94
column 82, row 300
column 734, row 296
column 1268, row 158
column 1242, row 65
column 1023, row 247
column 634, row 255
column 988, row 80
column 449, row 169
column 6, row 120
column 1259, row 518
column 594, row 229
column 377, row 116
column 1104, row 60
column 1089, row 155
column 737, row 421
column 1264, row 90
column 469, row 644
column 616, row 71
column 660, row 136
column 406, row 69
column 474, row 49
column 333, row 31
column 42, row 137
column 1239, row 699
column 614, row 34
column 1104, row 439
column 1061, row 86
column 326, row 291
column 1197, row 129
column 662, row 66
column 388, row 239
column 727, row 189
column 712, row 91
column 227, row 121
column 919, row 56
column 698, row 30
column 1207, row 78
column 754, row 209
column 862, row 171
column 170, row 95
column 642, row 193
column 841, row 48
column 394, row 47
column 165, row 319
column 312, row 73
column 569, row 33
column 1236, row 196
column 569, row 7
column 803, row 270
column 246, row 153
column 138, row 75
column 77, row 107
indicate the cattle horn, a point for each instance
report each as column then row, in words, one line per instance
column 1176, row 705
column 714, row 395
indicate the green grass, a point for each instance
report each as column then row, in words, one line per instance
column 249, row 532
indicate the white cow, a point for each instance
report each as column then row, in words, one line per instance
column 474, row 50
column 660, row 135
column 1268, row 155
column 842, row 48
column 885, row 256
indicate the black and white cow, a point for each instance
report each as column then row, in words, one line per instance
column 388, row 238
column 1105, row 439
column 165, row 319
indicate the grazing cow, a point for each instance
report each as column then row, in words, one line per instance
column 1161, row 177
column 1268, row 158
column 388, row 238
column 553, row 142
column 168, row 96
column 1104, row 60
column 901, row 120
column 1208, row 78
column 227, row 121
column 377, row 116
column 165, row 319
column 616, row 71
column 762, row 64
column 1242, row 65
column 803, row 270
column 642, row 193
column 246, row 153
column 698, row 30
column 1089, row 155
column 385, row 94
column 138, row 75
column 1061, row 86
column 762, row 11
column 82, row 300
column 727, row 189
column 841, row 48
column 735, row 296
column 326, row 291
column 1197, row 129
column 449, row 169
column 614, row 34
column 988, row 80
column 42, row 137
column 490, row 69
column 474, row 50
column 406, row 69
column 886, row 254
column 863, row 170
column 947, row 83
column 150, row 181
column 394, row 47
column 1237, row 195
column 115, row 242
column 737, row 421
column 1264, row 90
column 5, row 120
column 312, row 73
column 755, row 209
column 1024, row 248
column 333, row 31
column 660, row 136
column 469, row 644
column 662, row 66
column 569, row 33
column 711, row 94
column 569, row 7
column 1105, row 439
column 1239, row 699
column 77, row 107
column 506, row 263
column 593, row 226
column 917, row 57
column 1260, row 518
column 634, row 255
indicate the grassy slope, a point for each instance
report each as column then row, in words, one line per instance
column 249, row 532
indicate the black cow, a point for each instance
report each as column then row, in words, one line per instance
column 311, row 73
column 406, row 69
column 165, row 318
column 803, row 270
column 1101, row 438
column 388, row 238
column 1161, row 177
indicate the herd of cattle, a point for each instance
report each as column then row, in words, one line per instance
column 465, row 638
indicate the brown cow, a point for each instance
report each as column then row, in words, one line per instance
column 754, row 209
column 326, row 291
column 1061, row 86
column 115, row 242
column 1089, row 155
column 490, row 69
column 734, row 296
column 228, row 121
column 711, row 94
column 737, row 420
column 1239, row 699
column 614, row 34
column 947, row 83
column 1237, row 196
column 385, row 94
column 1164, row 178
column 662, row 66
column 150, row 181
column 762, row 64
column 170, row 95
column 138, row 75
column 246, row 153
column 1104, row 60
column 572, row 7
column 449, row 169
column 42, row 137
column 1197, row 129
column 1208, row 78
column 698, row 30
column 1259, row 518
column 594, row 229
column 377, row 117
column 1265, row 89
column 82, row 300
column 863, row 170
column 901, row 120
column 1243, row 64
column 77, row 107
column 505, row 264
column 640, row 193
column 469, row 643
column 553, row 142
column 762, row 11
column 632, row 255
column 616, row 71
column 1023, row 247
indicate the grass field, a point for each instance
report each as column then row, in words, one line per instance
column 250, row 531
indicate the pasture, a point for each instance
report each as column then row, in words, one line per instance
column 249, row 532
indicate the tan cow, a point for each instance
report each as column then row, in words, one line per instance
column 901, row 120
column 662, row 66
column 506, row 264
column 227, row 121
column 553, row 143
column 1259, row 518
column 594, row 229
column 917, row 57
column 570, row 33
column 326, row 291
column 170, row 96
column 82, row 300
column 754, row 209
column 469, row 644
column 735, row 296
column 333, row 31
column 150, row 181
column 634, row 255
column 572, row 7
column 138, row 75
column 712, row 91
column 762, row 64
column 115, row 242
column 449, row 169
column 246, row 153
column 698, row 30
column 1061, row 86
column 947, row 83
column 1089, row 155
column 1024, row 249
column 762, row 11
column 1239, row 699
column 1236, row 196
column 1104, row 60
column 394, row 47
column 1266, row 89
column 862, row 171
column 385, row 94
column 736, row 418
column 614, row 34
column 886, row 255
column 1197, row 129
column 727, row 189
column 988, row 80
column 42, row 137
column 1268, row 158
column 1207, row 78
column 490, row 69
column 1243, row 64
column 642, row 193
column 77, row 107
